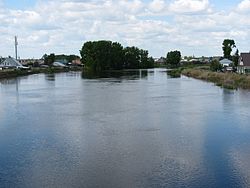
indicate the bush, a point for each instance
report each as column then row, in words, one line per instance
column 215, row 66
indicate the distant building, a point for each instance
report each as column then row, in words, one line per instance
column 160, row 61
column 244, row 63
column 77, row 62
column 59, row 64
column 11, row 63
column 216, row 58
column 226, row 62
column 63, row 61
column 32, row 62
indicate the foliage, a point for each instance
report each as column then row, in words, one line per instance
column 68, row 58
column 135, row 58
column 225, row 80
column 175, row 73
column 215, row 66
column 236, row 58
column 174, row 58
column 108, row 55
column 227, row 46
column 49, row 59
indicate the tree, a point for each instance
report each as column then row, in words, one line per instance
column 227, row 47
column 215, row 66
column 132, row 57
column 174, row 58
column 107, row 55
column 49, row 60
column 236, row 58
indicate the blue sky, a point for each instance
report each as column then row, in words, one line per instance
column 19, row 4
column 195, row 27
column 22, row 4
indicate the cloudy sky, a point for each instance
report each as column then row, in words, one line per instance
column 195, row 27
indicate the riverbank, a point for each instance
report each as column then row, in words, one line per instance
column 12, row 73
column 225, row 80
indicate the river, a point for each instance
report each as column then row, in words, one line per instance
column 138, row 129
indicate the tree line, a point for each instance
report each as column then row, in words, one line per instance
column 51, row 58
column 107, row 55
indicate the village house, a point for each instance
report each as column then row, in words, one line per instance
column 244, row 63
column 160, row 61
column 31, row 62
column 11, row 63
column 226, row 62
column 77, row 62
column 227, row 65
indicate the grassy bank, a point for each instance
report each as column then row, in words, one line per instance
column 225, row 80
column 12, row 73
column 176, row 72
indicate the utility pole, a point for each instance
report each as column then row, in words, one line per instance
column 16, row 43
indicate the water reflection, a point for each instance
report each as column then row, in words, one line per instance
column 50, row 77
column 126, row 74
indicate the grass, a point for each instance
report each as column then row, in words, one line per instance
column 175, row 73
column 225, row 80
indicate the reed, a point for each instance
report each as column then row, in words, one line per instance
column 225, row 80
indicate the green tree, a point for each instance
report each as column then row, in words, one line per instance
column 174, row 58
column 117, row 57
column 102, row 55
column 67, row 58
column 131, row 57
column 215, row 66
column 227, row 47
column 49, row 60
column 236, row 58
column 107, row 55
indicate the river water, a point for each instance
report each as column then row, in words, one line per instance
column 138, row 129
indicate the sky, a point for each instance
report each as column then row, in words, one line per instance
column 194, row 27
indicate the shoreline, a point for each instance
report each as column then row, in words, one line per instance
column 224, row 80
column 13, row 73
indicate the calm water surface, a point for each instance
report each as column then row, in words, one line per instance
column 138, row 130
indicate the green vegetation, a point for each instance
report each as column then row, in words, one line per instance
column 12, row 73
column 227, row 47
column 236, row 58
column 107, row 55
column 225, row 80
column 68, row 58
column 175, row 73
column 49, row 59
column 215, row 66
column 174, row 58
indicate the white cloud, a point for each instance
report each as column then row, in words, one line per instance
column 157, row 6
column 189, row 6
column 244, row 5
column 62, row 26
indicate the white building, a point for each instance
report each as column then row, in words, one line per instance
column 11, row 63
column 226, row 62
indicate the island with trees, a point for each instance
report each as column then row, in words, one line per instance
column 107, row 55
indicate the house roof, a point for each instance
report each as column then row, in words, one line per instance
column 58, row 64
column 245, row 58
column 11, row 62
column 225, row 61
